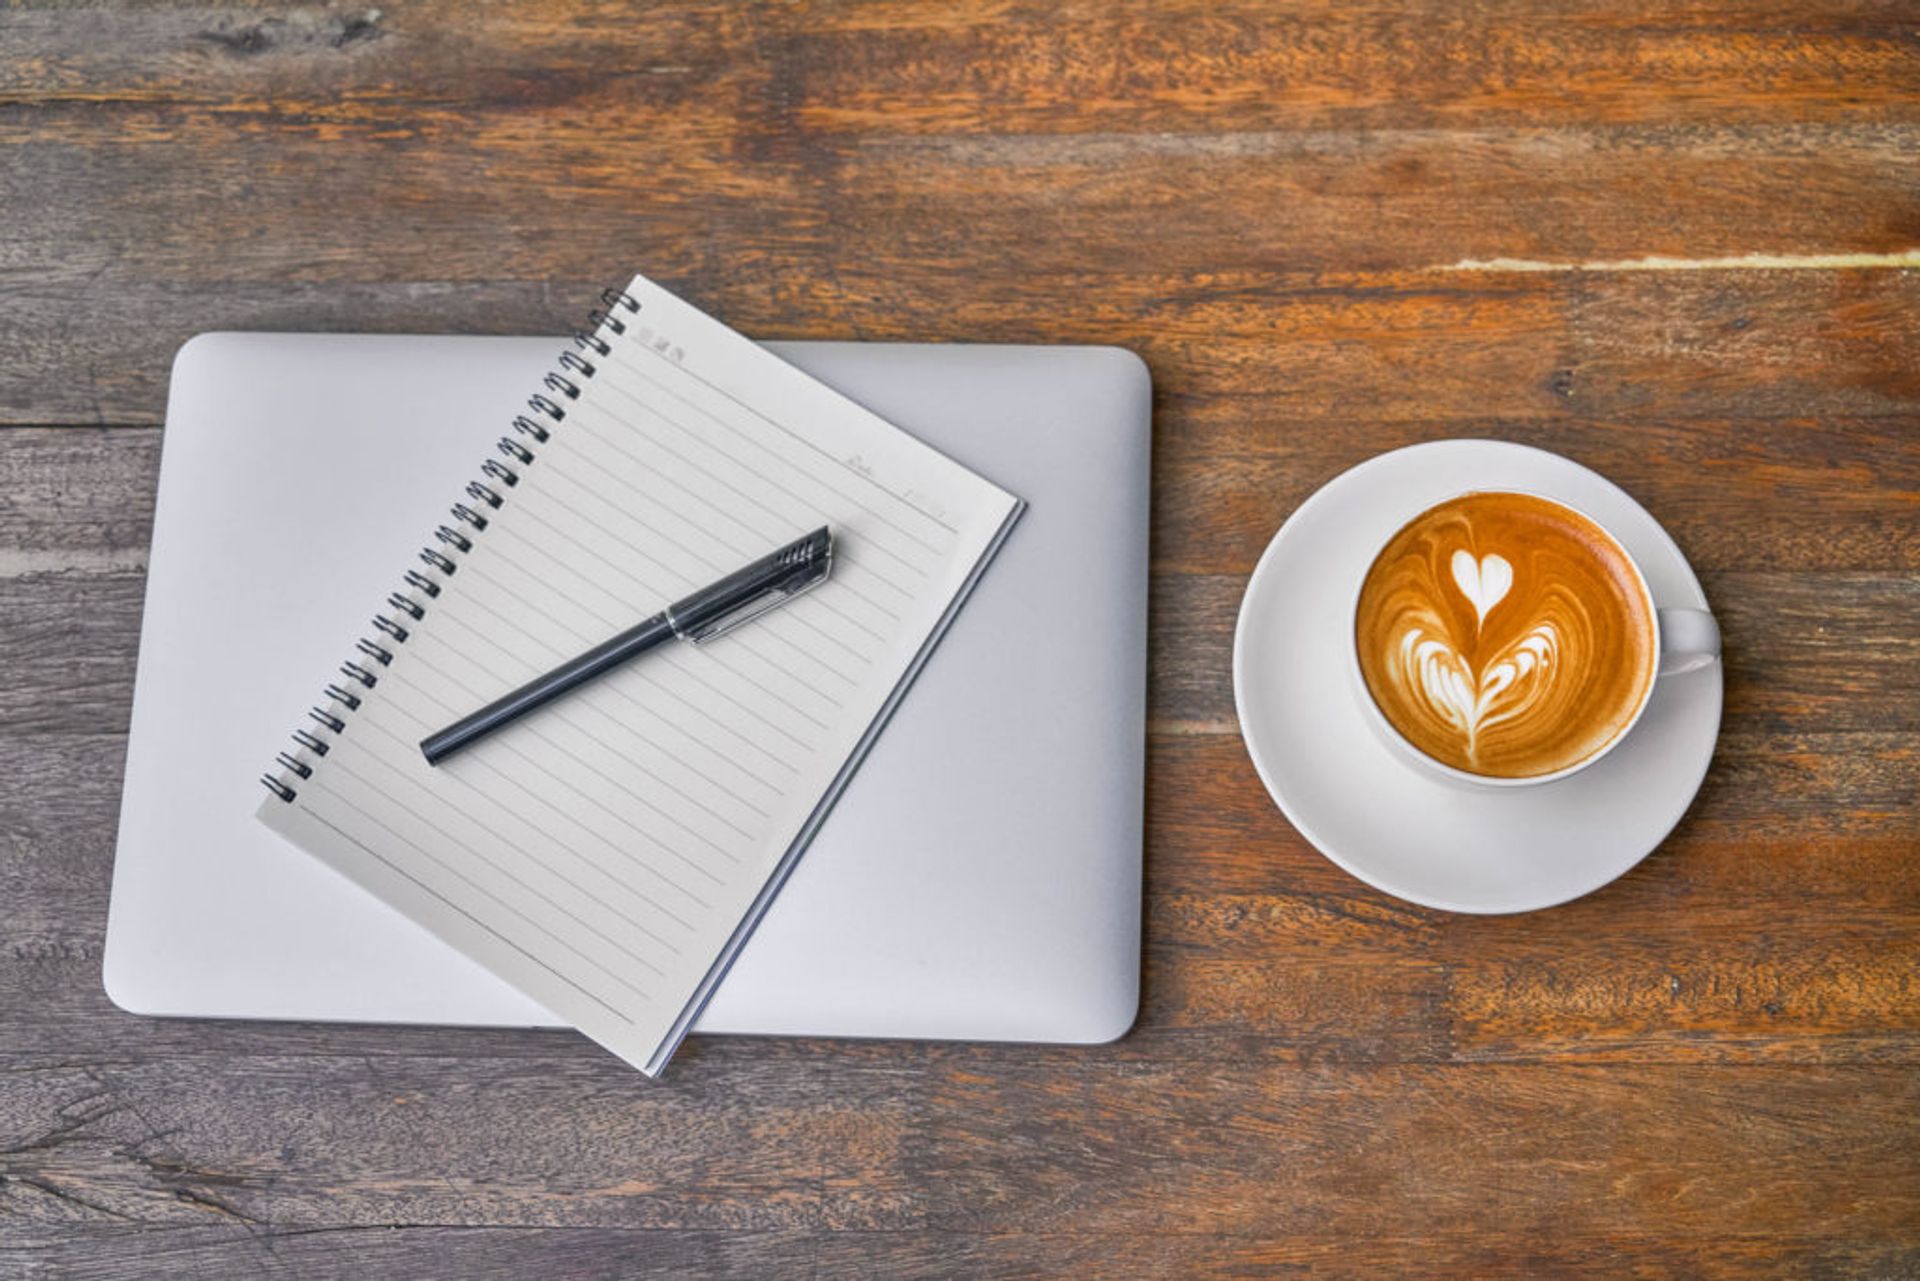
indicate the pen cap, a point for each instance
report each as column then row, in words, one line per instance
column 766, row 584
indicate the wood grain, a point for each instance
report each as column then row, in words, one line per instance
column 429, row 1253
column 1332, row 230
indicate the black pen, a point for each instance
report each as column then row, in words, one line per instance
column 745, row 594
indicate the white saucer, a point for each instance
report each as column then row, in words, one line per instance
column 1377, row 815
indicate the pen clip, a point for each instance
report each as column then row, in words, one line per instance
column 792, row 571
column 773, row 598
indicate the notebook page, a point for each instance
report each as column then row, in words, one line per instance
column 608, row 853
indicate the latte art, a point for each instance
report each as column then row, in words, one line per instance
column 1505, row 635
column 1485, row 582
column 1454, row 695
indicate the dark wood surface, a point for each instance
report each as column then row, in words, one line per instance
column 1674, row 241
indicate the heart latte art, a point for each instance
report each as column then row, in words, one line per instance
column 1505, row 635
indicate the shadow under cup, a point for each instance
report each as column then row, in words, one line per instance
column 1444, row 575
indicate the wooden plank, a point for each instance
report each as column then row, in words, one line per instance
column 558, row 1141
column 1346, row 1153
column 76, row 500
column 395, row 1252
column 919, row 67
column 1833, row 812
column 858, row 212
column 433, row 1253
column 77, row 634
column 57, row 821
column 1427, row 348
column 931, row 68
column 1112, row 1148
column 1218, row 203
column 1387, row 1251
column 1742, row 987
column 1449, row 346
column 1839, row 493
column 56, row 371
column 1152, row 1256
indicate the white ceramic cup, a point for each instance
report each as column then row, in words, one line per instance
column 1684, row 640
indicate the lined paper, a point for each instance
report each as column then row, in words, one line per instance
column 609, row 853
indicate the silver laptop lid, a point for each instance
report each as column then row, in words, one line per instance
column 979, row 880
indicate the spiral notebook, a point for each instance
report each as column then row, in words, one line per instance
column 609, row 854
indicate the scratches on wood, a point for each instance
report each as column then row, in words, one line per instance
column 1903, row 261
column 16, row 563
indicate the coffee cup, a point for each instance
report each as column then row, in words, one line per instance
column 1505, row 639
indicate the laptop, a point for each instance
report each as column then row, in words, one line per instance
column 979, row 880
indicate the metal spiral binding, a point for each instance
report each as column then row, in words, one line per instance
column 488, row 493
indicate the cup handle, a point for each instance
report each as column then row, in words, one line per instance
column 1689, row 640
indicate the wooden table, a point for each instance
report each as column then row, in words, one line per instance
column 1674, row 242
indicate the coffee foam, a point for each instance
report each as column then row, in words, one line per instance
column 1505, row 635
